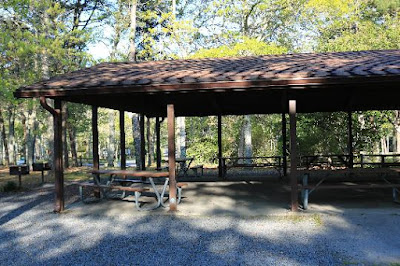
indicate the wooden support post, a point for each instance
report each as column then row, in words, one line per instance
column 220, row 170
column 122, row 138
column 350, row 139
column 171, row 157
column 158, row 143
column 95, row 148
column 284, row 143
column 58, row 162
column 95, row 135
column 142, row 144
column 293, row 156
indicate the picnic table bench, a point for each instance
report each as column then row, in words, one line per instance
column 121, row 180
column 356, row 178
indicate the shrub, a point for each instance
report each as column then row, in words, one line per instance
column 10, row 186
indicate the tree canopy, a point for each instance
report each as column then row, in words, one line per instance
column 43, row 38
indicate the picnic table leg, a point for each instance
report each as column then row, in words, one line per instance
column 163, row 191
column 138, row 194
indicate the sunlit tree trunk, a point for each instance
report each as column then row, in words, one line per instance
column 136, row 138
column 4, row 138
column 72, row 142
column 25, row 135
column 111, row 139
column 64, row 110
column 181, row 141
column 248, row 148
column 150, row 145
column 132, row 34
column 11, row 147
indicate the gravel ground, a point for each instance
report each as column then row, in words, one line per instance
column 31, row 234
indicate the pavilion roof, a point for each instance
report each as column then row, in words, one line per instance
column 170, row 79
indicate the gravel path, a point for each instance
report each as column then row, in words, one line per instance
column 31, row 234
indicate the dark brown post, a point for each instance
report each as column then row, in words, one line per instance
column 142, row 144
column 293, row 156
column 96, row 158
column 158, row 143
column 95, row 135
column 284, row 148
column 350, row 139
column 171, row 157
column 220, row 170
column 58, row 162
column 122, row 138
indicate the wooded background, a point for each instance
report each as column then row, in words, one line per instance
column 43, row 38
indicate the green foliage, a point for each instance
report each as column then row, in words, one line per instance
column 202, row 138
column 245, row 48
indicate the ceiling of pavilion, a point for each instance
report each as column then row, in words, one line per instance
column 319, row 82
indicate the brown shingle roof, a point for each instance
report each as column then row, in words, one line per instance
column 180, row 74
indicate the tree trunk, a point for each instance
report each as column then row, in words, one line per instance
column 241, row 143
column 181, row 141
column 25, row 136
column 32, row 126
column 132, row 34
column 136, row 138
column 11, row 147
column 384, row 145
column 72, row 142
column 150, row 144
column 4, row 138
column 248, row 149
column 111, row 138
column 64, row 111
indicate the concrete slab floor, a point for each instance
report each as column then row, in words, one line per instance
column 249, row 199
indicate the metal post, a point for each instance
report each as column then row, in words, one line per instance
column 171, row 157
column 122, row 138
column 158, row 143
column 220, row 170
column 284, row 148
column 58, row 163
column 350, row 139
column 293, row 156
column 142, row 144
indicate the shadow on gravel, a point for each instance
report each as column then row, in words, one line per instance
column 31, row 235
column 25, row 207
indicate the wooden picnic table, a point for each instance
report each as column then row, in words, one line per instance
column 350, row 178
column 121, row 177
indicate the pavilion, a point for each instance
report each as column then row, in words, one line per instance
column 290, row 83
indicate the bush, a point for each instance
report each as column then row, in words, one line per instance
column 10, row 186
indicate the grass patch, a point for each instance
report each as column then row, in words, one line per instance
column 316, row 218
column 299, row 218
column 76, row 176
